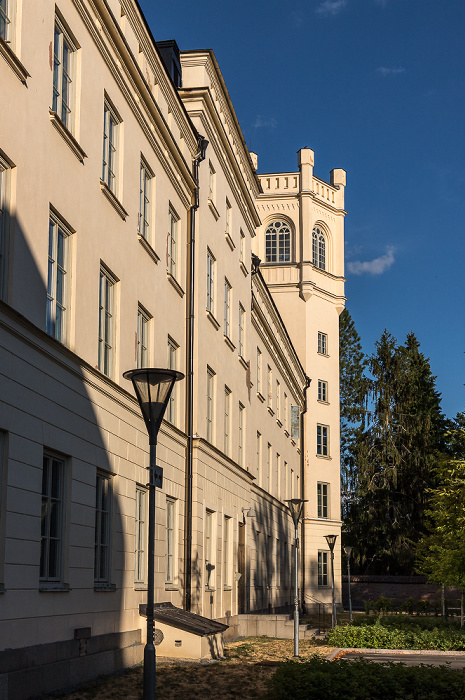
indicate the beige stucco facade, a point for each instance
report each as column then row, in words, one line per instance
column 95, row 278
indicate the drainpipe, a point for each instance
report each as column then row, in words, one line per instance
column 302, row 495
column 198, row 158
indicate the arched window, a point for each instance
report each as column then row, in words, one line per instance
column 278, row 242
column 318, row 248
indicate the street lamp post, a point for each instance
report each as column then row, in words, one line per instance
column 153, row 389
column 296, row 507
column 331, row 540
column 348, row 551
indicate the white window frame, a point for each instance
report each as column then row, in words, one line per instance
column 211, row 261
column 227, row 420
column 140, row 536
column 241, row 340
column 172, row 408
column 171, row 542
column 322, row 440
column 228, row 219
column 57, row 279
column 322, row 391
column 322, row 343
column 278, row 242
column 53, row 501
column 173, row 242
column 6, row 21
column 106, row 344
column 319, row 248
column 227, row 308
column 211, row 182
column 143, row 337
column 103, row 530
column 323, row 573
column 111, row 127
column 144, row 227
column 63, row 96
column 210, row 404
column 322, row 492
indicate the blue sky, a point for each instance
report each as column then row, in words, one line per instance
column 376, row 87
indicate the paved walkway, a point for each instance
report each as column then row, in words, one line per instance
column 454, row 659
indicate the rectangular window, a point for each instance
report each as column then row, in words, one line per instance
column 110, row 145
column 57, row 287
column 209, row 550
column 285, row 410
column 4, row 196
column 211, row 182
column 171, row 409
column 241, row 331
column 172, row 243
column 269, row 467
column 278, row 400
column 142, row 337
column 210, row 282
column 170, row 557
column 295, row 422
column 210, row 406
column 322, row 440
column 286, row 482
column 227, row 308
column 227, row 419
column 106, row 332
column 322, row 568
column 241, row 435
column 270, row 386
column 259, row 459
column 322, row 391
column 242, row 247
column 227, row 552
column 145, row 197
column 102, row 529
column 278, row 476
column 322, row 343
column 279, row 562
column 63, row 49
column 5, row 20
column 259, row 371
column 322, row 498
column 139, row 548
column 228, row 218
column 51, row 535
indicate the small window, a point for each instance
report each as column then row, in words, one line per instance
column 227, row 308
column 210, row 404
column 318, row 248
column 63, row 69
column 52, row 521
column 322, row 569
column 57, row 282
column 111, row 124
column 211, row 183
column 278, row 242
column 143, row 320
column 322, row 343
column 210, row 282
column 170, row 556
column 227, row 419
column 228, row 218
column 322, row 445
column 145, row 198
column 322, row 499
column 241, row 331
column 140, row 535
column 171, row 410
column 241, row 435
column 322, row 391
column 173, row 243
column 102, row 529
column 106, row 342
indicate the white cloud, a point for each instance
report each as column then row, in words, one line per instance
column 269, row 122
column 389, row 71
column 373, row 267
column 330, row 8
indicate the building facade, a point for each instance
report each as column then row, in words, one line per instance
column 118, row 223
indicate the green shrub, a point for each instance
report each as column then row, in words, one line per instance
column 364, row 680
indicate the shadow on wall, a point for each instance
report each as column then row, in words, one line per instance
column 67, row 489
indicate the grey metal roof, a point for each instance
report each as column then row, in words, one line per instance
column 169, row 614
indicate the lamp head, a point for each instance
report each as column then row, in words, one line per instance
column 331, row 540
column 348, row 551
column 296, row 506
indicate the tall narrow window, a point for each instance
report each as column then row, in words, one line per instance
column 57, row 279
column 139, row 549
column 322, row 568
column 211, row 183
column 285, row 411
column 106, row 322
column 142, row 337
column 242, row 247
column 259, row 459
column 270, row 386
column 171, row 410
column 286, row 482
column 322, row 391
column 227, row 308
column 51, row 549
column 172, row 243
column 102, row 529
column 210, row 408
column 227, row 419
column 318, row 248
column 241, row 435
column 322, row 440
column 63, row 49
column 322, row 343
column 259, row 371
column 145, row 195
column 4, row 182
column 3, row 481
column 228, row 218
column 278, row 400
column 322, row 499
column 241, row 331
column 269, row 458
column 278, row 242
column 5, row 20
column 210, row 282
column 227, row 553
column 170, row 541
column 278, row 476
column 110, row 146
column 209, row 550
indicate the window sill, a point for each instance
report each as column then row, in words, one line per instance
column 104, row 587
column 286, row 432
column 171, row 587
column 210, row 590
column 227, row 588
column 260, row 397
column 229, row 342
column 323, row 457
column 243, row 268
column 113, row 199
column 278, row 421
column 229, row 240
column 67, row 136
column 13, row 61
column 325, row 403
column 243, row 362
column 323, row 354
column 175, row 284
column 213, row 209
column 270, row 411
column 140, row 587
column 213, row 320
column 51, row 587
column 148, row 248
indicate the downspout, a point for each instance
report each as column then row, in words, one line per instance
column 302, row 495
column 198, row 158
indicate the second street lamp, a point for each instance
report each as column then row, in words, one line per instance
column 331, row 540
column 296, row 506
column 153, row 389
column 348, row 551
